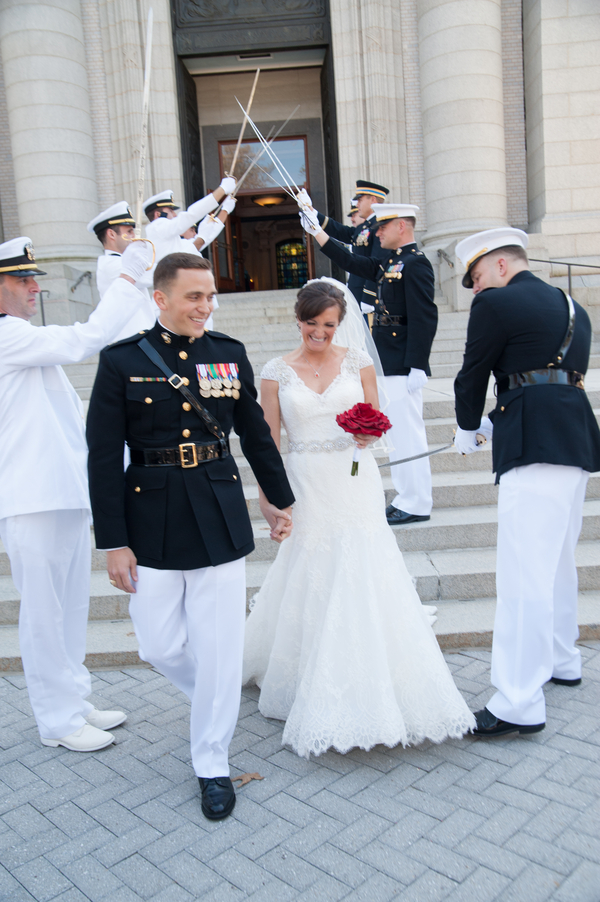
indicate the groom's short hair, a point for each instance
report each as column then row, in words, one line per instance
column 316, row 297
column 167, row 268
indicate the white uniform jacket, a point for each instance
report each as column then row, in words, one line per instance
column 108, row 268
column 43, row 452
column 166, row 234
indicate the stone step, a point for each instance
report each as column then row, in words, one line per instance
column 448, row 529
column 460, row 624
column 106, row 602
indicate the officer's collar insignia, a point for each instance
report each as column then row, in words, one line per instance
column 166, row 337
column 191, row 340
column 28, row 250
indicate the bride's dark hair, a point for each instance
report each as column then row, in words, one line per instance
column 316, row 297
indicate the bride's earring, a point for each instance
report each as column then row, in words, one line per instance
column 298, row 326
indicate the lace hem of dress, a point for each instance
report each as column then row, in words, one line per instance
column 335, row 444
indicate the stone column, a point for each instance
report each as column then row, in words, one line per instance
column 369, row 93
column 49, row 119
column 460, row 49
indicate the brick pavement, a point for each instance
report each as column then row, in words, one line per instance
column 469, row 821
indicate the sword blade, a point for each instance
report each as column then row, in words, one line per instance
column 405, row 460
column 144, row 132
column 262, row 151
column 274, row 159
column 244, row 120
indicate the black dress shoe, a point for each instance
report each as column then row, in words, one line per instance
column 560, row 682
column 490, row 725
column 396, row 517
column 218, row 797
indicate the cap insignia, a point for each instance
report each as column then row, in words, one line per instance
column 28, row 250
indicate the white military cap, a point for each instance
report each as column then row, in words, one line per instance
column 118, row 214
column 162, row 201
column 394, row 211
column 470, row 249
column 18, row 259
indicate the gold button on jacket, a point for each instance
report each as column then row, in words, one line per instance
column 186, row 433
column 186, row 405
column 183, row 355
column 148, row 400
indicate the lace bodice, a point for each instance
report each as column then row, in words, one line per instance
column 308, row 417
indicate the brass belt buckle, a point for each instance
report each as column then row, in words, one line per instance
column 183, row 451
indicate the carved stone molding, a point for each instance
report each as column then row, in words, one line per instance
column 225, row 12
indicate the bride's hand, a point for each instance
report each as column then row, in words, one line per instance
column 362, row 440
column 280, row 521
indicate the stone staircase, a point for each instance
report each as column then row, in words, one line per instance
column 451, row 556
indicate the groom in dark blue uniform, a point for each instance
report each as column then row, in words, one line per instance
column 176, row 525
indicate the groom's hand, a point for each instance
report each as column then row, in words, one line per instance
column 280, row 521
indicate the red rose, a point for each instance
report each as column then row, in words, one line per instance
column 363, row 419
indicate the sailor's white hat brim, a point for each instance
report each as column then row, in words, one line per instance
column 118, row 214
column 471, row 249
column 383, row 212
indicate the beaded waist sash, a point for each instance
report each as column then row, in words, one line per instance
column 336, row 444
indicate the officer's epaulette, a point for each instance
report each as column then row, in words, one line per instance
column 129, row 340
column 212, row 334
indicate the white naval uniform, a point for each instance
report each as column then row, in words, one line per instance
column 540, row 511
column 412, row 481
column 44, row 502
column 108, row 268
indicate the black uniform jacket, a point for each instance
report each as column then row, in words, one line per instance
column 174, row 518
column 406, row 288
column 513, row 330
column 365, row 243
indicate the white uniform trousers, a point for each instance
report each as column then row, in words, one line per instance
column 190, row 627
column 50, row 561
column 412, row 481
column 540, row 509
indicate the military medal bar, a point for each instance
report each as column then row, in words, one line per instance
column 218, row 380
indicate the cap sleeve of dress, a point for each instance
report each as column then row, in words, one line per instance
column 356, row 360
column 273, row 369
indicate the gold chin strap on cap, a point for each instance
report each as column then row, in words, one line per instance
column 20, row 267
column 148, row 268
column 476, row 257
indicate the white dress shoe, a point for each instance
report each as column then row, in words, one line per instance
column 105, row 720
column 86, row 739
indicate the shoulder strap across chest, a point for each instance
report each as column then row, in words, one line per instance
column 568, row 337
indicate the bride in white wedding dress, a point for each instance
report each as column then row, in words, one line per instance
column 337, row 639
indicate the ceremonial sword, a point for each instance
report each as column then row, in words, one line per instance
column 144, row 140
column 405, row 460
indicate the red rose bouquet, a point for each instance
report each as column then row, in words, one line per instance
column 362, row 419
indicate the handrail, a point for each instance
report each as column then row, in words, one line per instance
column 568, row 265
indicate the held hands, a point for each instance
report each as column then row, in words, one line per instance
column 122, row 570
column 416, row 380
column 229, row 204
column 136, row 259
column 280, row 521
column 228, row 184
column 310, row 221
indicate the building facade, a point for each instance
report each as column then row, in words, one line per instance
column 482, row 112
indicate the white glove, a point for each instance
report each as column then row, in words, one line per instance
column 228, row 184
column 486, row 428
column 136, row 259
column 416, row 380
column 366, row 308
column 465, row 441
column 310, row 222
column 229, row 204
column 303, row 199
column 209, row 229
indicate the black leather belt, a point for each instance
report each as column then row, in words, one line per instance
column 540, row 377
column 188, row 455
column 384, row 319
